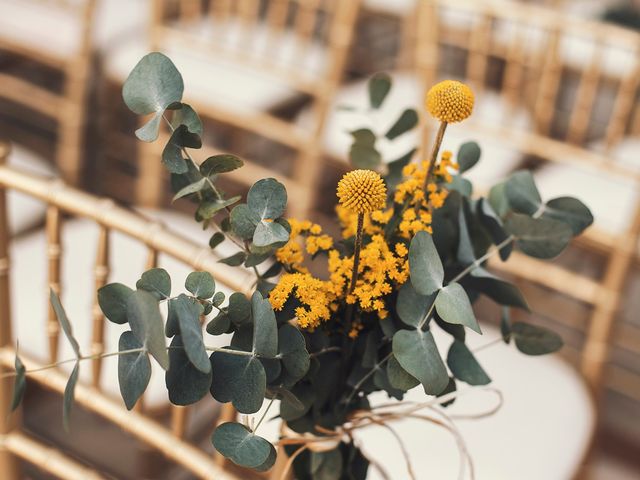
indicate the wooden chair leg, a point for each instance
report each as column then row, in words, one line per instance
column 9, row 465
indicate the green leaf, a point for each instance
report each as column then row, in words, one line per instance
column 453, row 306
column 190, row 189
column 134, row 369
column 379, row 86
column 427, row 273
column 237, row 443
column 363, row 153
column 539, row 237
column 498, row 199
column 267, row 199
column 150, row 131
column 188, row 312
column 172, row 153
column 411, row 306
column 153, row 85
column 269, row 462
column 185, row 383
column 505, row 325
column 493, row 225
column 468, row 155
column 61, row 315
column 398, row 377
column 498, row 290
column 19, row 383
column 267, row 233
column 234, row 260
column 451, row 387
column 146, row 324
column 464, row 365
column 216, row 239
column 244, row 221
column 239, row 309
column 522, row 193
column 239, row 379
column 219, row 324
column 418, row 355
column 201, row 284
column 188, row 117
column 407, row 120
column 570, row 211
column 292, row 350
column 69, row 392
column 461, row 185
column 265, row 327
column 156, row 281
column 220, row 164
column 534, row 340
column 112, row 299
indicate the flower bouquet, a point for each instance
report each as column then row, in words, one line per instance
column 410, row 260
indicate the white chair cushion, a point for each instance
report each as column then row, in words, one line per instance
column 542, row 430
column 216, row 78
column 29, row 292
column 28, row 22
column 26, row 212
column 613, row 199
column 497, row 159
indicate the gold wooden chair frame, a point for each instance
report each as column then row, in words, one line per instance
column 276, row 16
column 534, row 76
column 61, row 199
column 67, row 107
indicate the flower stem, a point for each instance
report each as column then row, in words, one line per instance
column 432, row 162
column 356, row 253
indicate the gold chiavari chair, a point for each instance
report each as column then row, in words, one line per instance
column 241, row 61
column 120, row 236
column 24, row 27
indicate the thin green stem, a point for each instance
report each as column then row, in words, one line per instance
column 263, row 415
column 366, row 377
column 432, row 162
column 356, row 253
column 483, row 258
column 325, row 350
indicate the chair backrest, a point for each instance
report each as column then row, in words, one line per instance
column 297, row 41
column 579, row 78
column 67, row 52
column 108, row 217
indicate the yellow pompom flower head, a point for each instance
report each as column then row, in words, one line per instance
column 362, row 191
column 450, row 101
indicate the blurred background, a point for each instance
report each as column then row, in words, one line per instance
column 281, row 83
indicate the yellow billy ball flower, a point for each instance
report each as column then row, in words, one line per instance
column 362, row 191
column 450, row 101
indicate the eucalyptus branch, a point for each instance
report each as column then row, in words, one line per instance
column 366, row 377
column 325, row 350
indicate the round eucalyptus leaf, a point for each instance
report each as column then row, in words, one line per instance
column 112, row 299
column 240, row 445
column 468, row 155
column 268, row 232
column 267, row 198
column 244, row 221
column 239, row 309
column 464, row 365
column 522, row 193
column 220, row 164
column 407, row 121
column 269, row 462
column 498, row 290
column 534, row 340
column 153, row 85
column 219, row 324
column 150, row 131
column 157, row 282
column 453, row 306
column 398, row 377
column 293, row 351
column 498, row 199
column 418, row 355
column 188, row 311
column 539, row 237
column 570, row 211
column 216, row 239
column 411, row 306
column 234, row 260
column 201, row 284
column 188, row 117
column 265, row 327
column 364, row 156
column 185, row 383
column 134, row 369
column 494, row 226
column 427, row 273
column 379, row 86
column 146, row 324
column 239, row 379
column 190, row 189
